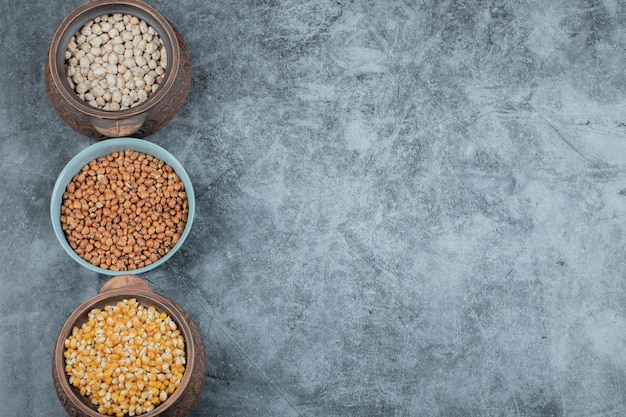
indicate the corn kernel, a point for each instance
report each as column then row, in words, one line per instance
column 126, row 358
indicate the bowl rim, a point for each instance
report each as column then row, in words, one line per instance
column 81, row 15
column 106, row 147
column 79, row 316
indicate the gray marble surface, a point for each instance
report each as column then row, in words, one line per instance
column 403, row 208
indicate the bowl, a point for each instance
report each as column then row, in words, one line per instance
column 182, row 400
column 140, row 121
column 107, row 147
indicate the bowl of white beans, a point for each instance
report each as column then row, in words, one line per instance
column 117, row 69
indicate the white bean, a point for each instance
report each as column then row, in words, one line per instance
column 97, row 91
column 152, row 47
column 149, row 79
column 81, row 88
column 115, row 62
column 111, row 80
column 77, row 77
column 114, row 59
column 84, row 62
column 96, row 41
column 140, row 61
column 99, row 72
column 139, row 83
column 126, row 101
column 138, row 72
column 111, row 68
column 129, row 63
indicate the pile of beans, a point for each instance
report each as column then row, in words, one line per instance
column 115, row 62
column 126, row 358
column 124, row 211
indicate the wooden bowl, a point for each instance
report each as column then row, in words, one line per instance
column 118, row 288
column 140, row 121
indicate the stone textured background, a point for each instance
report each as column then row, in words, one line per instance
column 403, row 208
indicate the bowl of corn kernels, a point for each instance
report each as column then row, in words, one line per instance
column 116, row 69
column 122, row 205
column 129, row 351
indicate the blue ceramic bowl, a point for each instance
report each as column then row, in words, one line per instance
column 107, row 147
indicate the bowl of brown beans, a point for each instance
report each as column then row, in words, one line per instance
column 122, row 205
column 117, row 69
column 129, row 351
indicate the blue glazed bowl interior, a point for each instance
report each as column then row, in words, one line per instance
column 104, row 148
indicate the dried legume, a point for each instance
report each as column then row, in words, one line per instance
column 115, row 62
column 124, row 211
column 125, row 358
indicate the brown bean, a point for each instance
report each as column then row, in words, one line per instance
column 130, row 217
